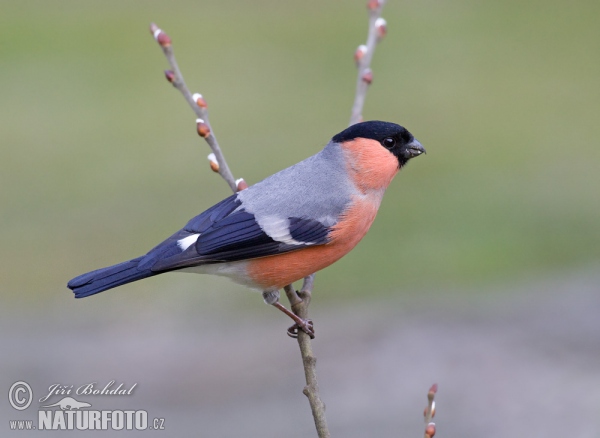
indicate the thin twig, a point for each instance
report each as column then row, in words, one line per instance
column 364, row 55
column 429, row 412
column 311, row 390
column 196, row 102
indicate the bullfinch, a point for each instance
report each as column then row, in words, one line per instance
column 284, row 228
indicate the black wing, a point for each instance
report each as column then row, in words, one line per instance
column 229, row 233
column 225, row 233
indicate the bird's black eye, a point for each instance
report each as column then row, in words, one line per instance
column 389, row 142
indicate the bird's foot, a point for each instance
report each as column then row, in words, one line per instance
column 306, row 325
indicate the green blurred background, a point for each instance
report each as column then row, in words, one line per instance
column 100, row 159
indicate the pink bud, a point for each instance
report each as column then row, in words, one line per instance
column 241, row 184
column 161, row 37
column 373, row 4
column 199, row 100
column 170, row 76
column 381, row 27
column 430, row 430
column 367, row 76
column 360, row 52
column 214, row 166
column 202, row 128
column 433, row 389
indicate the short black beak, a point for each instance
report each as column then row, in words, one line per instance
column 414, row 148
column 410, row 150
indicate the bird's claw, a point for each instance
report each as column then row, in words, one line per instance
column 306, row 325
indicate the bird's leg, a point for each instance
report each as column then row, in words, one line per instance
column 306, row 325
column 297, row 302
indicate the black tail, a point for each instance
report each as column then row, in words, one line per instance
column 107, row 278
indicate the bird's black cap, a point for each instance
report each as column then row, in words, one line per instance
column 393, row 137
column 373, row 129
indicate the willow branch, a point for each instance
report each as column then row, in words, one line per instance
column 198, row 105
column 300, row 301
column 429, row 412
column 364, row 55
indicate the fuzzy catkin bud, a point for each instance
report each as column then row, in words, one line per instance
column 241, row 184
column 381, row 27
column 170, row 75
column 360, row 52
column 163, row 39
column 199, row 100
column 373, row 4
column 160, row 37
column 202, row 128
column 214, row 165
column 430, row 430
